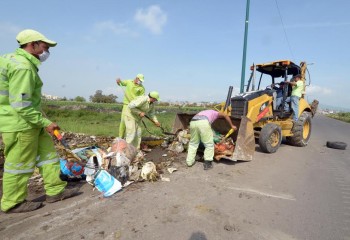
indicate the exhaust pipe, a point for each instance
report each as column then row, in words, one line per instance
column 228, row 99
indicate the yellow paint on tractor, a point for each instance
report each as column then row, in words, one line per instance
column 259, row 115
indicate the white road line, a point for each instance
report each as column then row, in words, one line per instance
column 281, row 196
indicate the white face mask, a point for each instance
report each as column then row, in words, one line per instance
column 138, row 82
column 44, row 56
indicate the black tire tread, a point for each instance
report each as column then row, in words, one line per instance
column 297, row 139
column 336, row 145
column 265, row 134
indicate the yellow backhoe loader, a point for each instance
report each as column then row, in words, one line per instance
column 263, row 112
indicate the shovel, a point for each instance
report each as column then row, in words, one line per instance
column 65, row 145
column 227, row 135
column 163, row 131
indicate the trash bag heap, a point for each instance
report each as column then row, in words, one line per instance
column 110, row 166
column 112, row 162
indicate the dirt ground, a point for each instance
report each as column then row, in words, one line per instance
column 234, row 200
column 195, row 205
column 63, row 217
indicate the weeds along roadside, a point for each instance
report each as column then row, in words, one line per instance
column 102, row 119
column 343, row 116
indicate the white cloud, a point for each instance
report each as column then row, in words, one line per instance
column 116, row 28
column 153, row 18
column 318, row 90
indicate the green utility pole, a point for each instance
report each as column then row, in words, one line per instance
column 245, row 46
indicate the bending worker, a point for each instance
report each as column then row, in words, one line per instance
column 200, row 130
column 133, row 88
column 27, row 144
column 136, row 110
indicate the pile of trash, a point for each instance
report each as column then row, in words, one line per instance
column 109, row 165
column 224, row 149
column 179, row 143
column 223, row 146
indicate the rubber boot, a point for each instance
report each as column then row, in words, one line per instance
column 25, row 206
column 67, row 193
column 207, row 165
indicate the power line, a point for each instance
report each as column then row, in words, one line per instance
column 285, row 33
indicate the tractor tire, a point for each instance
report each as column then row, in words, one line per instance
column 336, row 145
column 270, row 138
column 301, row 131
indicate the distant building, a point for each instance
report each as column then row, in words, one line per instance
column 50, row 97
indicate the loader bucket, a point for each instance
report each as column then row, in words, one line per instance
column 243, row 137
column 182, row 121
column 245, row 143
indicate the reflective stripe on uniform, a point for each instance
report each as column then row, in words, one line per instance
column 4, row 92
column 15, row 167
column 19, row 171
column 208, row 145
column 21, row 104
column 47, row 162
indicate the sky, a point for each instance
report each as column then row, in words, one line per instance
column 188, row 50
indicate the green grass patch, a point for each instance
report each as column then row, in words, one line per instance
column 343, row 116
column 99, row 122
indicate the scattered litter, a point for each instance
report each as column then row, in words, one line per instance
column 172, row 169
column 224, row 149
column 106, row 183
column 179, row 143
column 164, row 144
column 176, row 147
column 164, row 179
column 127, row 183
column 110, row 164
column 184, row 137
column 149, row 172
column 72, row 169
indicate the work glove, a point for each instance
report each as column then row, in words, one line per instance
column 50, row 129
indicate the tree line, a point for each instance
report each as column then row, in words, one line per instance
column 98, row 97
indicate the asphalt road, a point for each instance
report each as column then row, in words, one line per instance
column 296, row 193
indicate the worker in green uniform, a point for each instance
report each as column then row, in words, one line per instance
column 133, row 88
column 25, row 131
column 200, row 129
column 136, row 110
column 297, row 91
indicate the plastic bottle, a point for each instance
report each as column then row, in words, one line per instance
column 106, row 183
